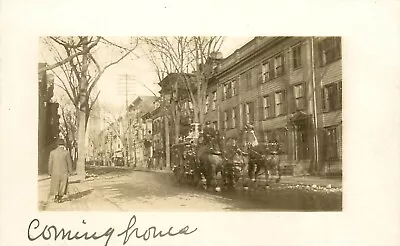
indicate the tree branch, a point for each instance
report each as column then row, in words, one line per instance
column 70, row 57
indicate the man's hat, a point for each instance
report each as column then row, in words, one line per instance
column 60, row 141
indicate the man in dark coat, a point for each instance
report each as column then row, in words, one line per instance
column 60, row 167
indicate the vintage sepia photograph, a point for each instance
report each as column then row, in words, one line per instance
column 190, row 123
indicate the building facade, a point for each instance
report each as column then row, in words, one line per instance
column 138, row 129
column 48, row 122
column 290, row 89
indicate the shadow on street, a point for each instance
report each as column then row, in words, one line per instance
column 79, row 195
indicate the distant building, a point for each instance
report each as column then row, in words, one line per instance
column 138, row 129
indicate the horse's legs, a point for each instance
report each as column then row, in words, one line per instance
column 211, row 176
column 266, row 174
column 278, row 169
column 251, row 170
column 257, row 171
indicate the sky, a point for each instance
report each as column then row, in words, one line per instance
column 140, row 71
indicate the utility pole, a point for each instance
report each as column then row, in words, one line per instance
column 316, row 142
column 126, row 91
column 132, row 120
column 128, row 121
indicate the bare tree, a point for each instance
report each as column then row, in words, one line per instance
column 190, row 59
column 68, row 129
column 79, row 68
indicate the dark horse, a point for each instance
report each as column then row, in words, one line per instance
column 261, row 156
column 236, row 160
column 209, row 156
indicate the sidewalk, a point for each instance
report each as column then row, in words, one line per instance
column 289, row 180
column 80, row 197
column 312, row 180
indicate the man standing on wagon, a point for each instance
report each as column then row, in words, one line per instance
column 60, row 167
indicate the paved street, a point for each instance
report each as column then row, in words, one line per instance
column 123, row 190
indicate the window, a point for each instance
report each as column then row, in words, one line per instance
column 214, row 102
column 278, row 65
column 299, row 96
column 248, row 113
column 233, row 118
column 266, row 107
column 225, row 120
column 280, row 103
column 207, row 105
column 296, row 56
column 332, row 144
column 266, row 71
column 331, row 49
column 233, row 86
column 227, row 90
column 332, row 96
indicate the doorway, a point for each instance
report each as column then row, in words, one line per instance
column 302, row 140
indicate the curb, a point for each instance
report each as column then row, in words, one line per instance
column 43, row 179
column 152, row 170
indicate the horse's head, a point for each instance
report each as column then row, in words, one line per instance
column 274, row 147
column 211, row 137
column 248, row 136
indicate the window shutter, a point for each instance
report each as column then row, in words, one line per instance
column 243, row 114
column 251, row 110
column 339, row 94
column 237, row 117
column 271, row 69
column 285, row 102
column 261, row 109
column 323, row 99
column 291, row 100
column 229, row 117
column 305, row 96
column 272, row 104
column 335, row 95
column 259, row 74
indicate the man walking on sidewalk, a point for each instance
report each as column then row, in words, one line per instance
column 60, row 167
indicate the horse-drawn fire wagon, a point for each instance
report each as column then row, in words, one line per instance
column 202, row 155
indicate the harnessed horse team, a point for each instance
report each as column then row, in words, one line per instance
column 199, row 163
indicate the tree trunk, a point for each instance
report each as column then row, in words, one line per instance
column 177, row 124
column 176, row 112
column 82, row 114
column 80, row 165
column 167, row 149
